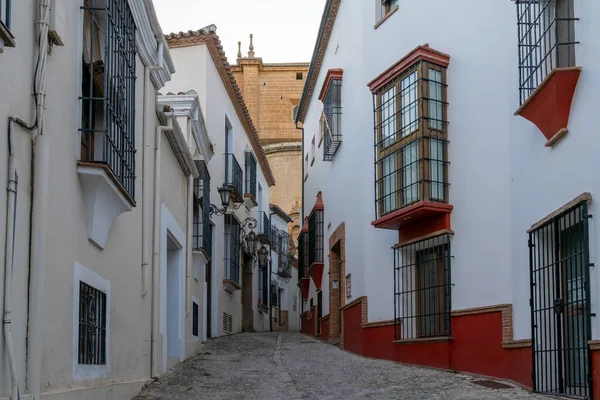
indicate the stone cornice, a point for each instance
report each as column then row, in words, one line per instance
column 207, row 36
column 283, row 147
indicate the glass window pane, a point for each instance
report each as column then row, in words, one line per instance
column 410, row 173
column 388, row 116
column 436, row 155
column 409, row 104
column 435, row 100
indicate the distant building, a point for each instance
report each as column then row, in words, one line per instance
column 272, row 94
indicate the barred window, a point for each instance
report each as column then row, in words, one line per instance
column 92, row 326
column 233, row 249
column 202, row 232
column 302, row 255
column 250, row 174
column 263, row 285
column 422, row 288
column 108, row 89
column 411, row 139
column 275, row 301
column 332, row 120
column 195, row 319
column 315, row 237
column 546, row 40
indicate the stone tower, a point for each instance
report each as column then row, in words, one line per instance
column 272, row 93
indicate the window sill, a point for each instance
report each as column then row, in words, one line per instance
column 263, row 309
column 385, row 17
column 425, row 340
column 250, row 200
column 104, row 198
column 6, row 38
column 230, row 286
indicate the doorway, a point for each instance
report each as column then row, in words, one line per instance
column 247, row 313
column 173, row 297
column 560, row 304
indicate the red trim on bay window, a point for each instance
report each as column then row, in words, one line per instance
column 419, row 53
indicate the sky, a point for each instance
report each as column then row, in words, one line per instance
column 284, row 30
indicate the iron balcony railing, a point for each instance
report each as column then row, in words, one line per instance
column 561, row 307
column 264, row 226
column 285, row 267
column 411, row 140
column 546, row 40
column 233, row 174
column 250, row 175
column 422, row 282
column 108, row 89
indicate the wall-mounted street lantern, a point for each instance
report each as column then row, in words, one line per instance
column 256, row 244
column 225, row 192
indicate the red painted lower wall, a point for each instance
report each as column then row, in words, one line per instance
column 307, row 323
column 352, row 329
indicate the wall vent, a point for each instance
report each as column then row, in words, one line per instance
column 227, row 323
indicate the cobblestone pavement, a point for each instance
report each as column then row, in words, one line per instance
column 294, row 366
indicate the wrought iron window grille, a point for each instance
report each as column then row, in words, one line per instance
column 233, row 248
column 92, row 326
column 202, row 231
column 411, row 139
column 108, row 89
column 250, row 174
column 234, row 176
column 546, row 40
column 263, row 285
column 331, row 125
column 315, row 237
column 422, row 283
column 561, row 324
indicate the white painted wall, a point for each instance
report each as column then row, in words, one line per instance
column 502, row 177
column 197, row 71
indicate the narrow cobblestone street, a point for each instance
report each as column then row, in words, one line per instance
column 294, row 366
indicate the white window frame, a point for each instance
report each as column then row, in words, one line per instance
column 89, row 277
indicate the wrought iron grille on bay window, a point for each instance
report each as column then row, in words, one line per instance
column 202, row 233
column 92, row 326
column 411, row 139
column 250, row 175
column 315, row 237
column 233, row 174
column 331, row 123
column 560, row 304
column 546, row 34
column 108, row 88
column 422, row 283
column 233, row 248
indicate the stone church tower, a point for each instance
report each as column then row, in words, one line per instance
column 272, row 94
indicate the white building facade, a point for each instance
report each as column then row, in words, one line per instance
column 239, row 163
column 448, row 187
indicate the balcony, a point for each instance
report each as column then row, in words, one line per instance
column 285, row 266
column 250, row 187
column 234, row 176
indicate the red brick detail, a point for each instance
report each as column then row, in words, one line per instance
column 316, row 273
column 549, row 105
column 332, row 74
column 419, row 53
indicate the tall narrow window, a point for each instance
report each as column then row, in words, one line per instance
column 411, row 136
column 233, row 249
column 332, row 119
column 315, row 237
column 250, row 174
column 108, row 89
column 92, row 326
